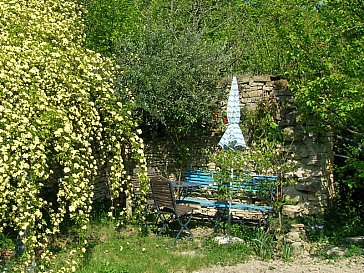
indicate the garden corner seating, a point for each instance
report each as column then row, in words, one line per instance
column 168, row 210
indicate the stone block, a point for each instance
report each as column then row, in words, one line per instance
column 259, row 84
column 244, row 80
column 309, row 186
column 291, row 211
column 267, row 88
column 256, row 88
column 335, row 250
column 298, row 248
column 294, row 236
column 298, row 228
column 255, row 93
column 262, row 78
column 313, row 198
column 302, row 174
column 291, row 194
column 281, row 84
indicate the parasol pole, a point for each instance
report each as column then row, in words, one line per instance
column 230, row 203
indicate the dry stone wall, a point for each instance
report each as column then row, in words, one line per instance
column 313, row 155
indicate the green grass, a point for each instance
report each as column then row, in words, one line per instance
column 127, row 250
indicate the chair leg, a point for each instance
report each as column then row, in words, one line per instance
column 183, row 227
column 165, row 220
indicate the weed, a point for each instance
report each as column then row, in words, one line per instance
column 109, row 267
column 263, row 244
column 354, row 250
column 286, row 250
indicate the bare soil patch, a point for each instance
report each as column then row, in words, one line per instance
column 299, row 265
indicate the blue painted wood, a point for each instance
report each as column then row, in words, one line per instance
column 250, row 183
column 224, row 205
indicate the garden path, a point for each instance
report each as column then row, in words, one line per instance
column 308, row 264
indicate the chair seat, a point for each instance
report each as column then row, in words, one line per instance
column 181, row 210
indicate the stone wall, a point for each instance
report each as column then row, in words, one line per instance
column 312, row 152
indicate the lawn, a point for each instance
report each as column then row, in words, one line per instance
column 127, row 250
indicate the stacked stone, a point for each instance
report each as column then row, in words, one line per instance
column 312, row 151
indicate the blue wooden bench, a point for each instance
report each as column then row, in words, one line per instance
column 250, row 185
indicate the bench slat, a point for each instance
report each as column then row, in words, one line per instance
column 225, row 205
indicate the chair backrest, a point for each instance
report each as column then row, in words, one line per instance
column 136, row 183
column 162, row 191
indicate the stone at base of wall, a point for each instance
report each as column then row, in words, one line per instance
column 292, row 211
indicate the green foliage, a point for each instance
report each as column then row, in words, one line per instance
column 352, row 172
column 128, row 251
column 342, row 220
column 171, row 53
column 168, row 66
column 286, row 250
column 108, row 21
column 354, row 250
column 330, row 92
column 263, row 244
column 173, row 78
column 109, row 267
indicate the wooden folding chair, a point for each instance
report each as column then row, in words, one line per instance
column 167, row 209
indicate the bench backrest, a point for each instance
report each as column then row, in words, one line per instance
column 202, row 178
column 248, row 182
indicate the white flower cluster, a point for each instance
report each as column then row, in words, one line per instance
column 58, row 110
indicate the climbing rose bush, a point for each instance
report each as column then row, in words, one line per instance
column 60, row 125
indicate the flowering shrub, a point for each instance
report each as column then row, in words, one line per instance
column 60, row 123
column 219, row 123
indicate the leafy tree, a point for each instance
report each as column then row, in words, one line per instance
column 168, row 65
column 173, row 78
column 332, row 93
column 108, row 21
